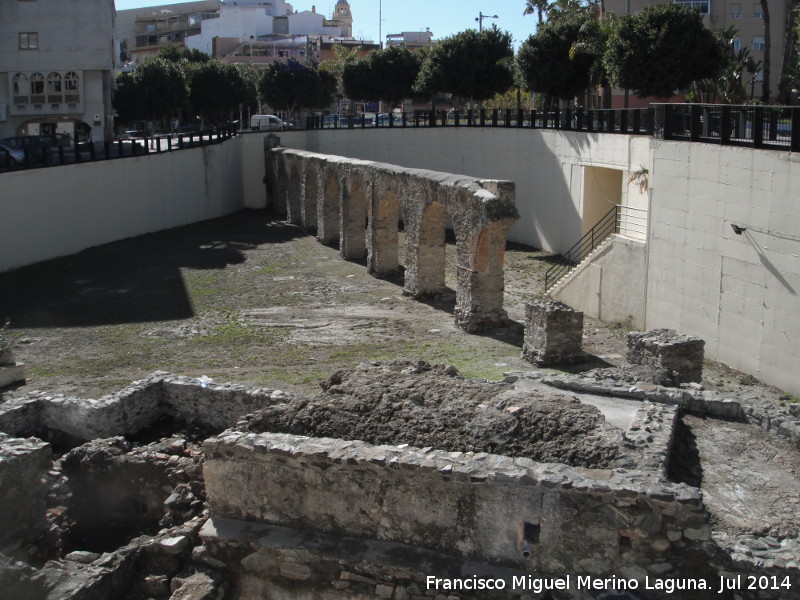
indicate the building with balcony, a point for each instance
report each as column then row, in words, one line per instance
column 145, row 31
column 57, row 63
column 250, row 22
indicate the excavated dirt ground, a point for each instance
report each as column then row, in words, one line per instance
column 424, row 405
column 253, row 300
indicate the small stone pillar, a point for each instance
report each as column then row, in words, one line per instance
column 10, row 370
column 23, row 524
column 553, row 334
column 668, row 349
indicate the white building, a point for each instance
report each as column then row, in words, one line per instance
column 247, row 20
column 57, row 64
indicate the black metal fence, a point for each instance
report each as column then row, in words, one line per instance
column 768, row 127
column 44, row 156
column 635, row 121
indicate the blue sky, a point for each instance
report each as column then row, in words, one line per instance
column 444, row 17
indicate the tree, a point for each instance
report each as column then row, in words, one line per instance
column 787, row 77
column 177, row 54
column 386, row 75
column 661, row 50
column 357, row 82
column 536, row 6
column 250, row 77
column 294, row 85
column 730, row 83
column 216, row 91
column 557, row 60
column 471, row 65
column 155, row 89
column 128, row 100
column 767, row 51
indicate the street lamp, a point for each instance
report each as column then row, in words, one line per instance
column 480, row 19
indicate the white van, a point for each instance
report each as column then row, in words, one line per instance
column 267, row 123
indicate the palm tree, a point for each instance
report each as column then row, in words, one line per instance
column 767, row 49
column 789, row 40
column 538, row 6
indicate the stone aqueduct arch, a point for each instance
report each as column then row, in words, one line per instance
column 359, row 204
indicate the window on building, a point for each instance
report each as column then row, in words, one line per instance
column 758, row 43
column 702, row 6
column 757, row 14
column 54, row 88
column 21, row 89
column 28, row 41
column 759, row 76
column 72, row 87
column 737, row 44
column 736, row 11
column 37, row 88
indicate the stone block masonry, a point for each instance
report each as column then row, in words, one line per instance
column 23, row 464
column 359, row 204
column 209, row 406
column 553, row 334
column 497, row 510
column 669, row 349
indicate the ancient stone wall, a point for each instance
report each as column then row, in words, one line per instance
column 207, row 405
column 23, row 464
column 488, row 508
column 359, row 204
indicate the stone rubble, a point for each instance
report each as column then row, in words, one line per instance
column 355, row 519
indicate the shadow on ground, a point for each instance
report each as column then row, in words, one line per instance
column 135, row 280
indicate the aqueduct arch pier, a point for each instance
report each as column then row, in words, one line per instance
column 361, row 203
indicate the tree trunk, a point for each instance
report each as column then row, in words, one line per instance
column 789, row 39
column 767, row 49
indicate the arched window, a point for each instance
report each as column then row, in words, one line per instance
column 54, row 89
column 72, row 87
column 37, row 88
column 21, row 89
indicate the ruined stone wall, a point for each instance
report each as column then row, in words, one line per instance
column 23, row 464
column 359, row 204
column 136, row 407
column 488, row 508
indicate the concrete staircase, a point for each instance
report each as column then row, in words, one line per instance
column 599, row 250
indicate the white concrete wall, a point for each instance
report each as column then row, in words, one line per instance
column 254, row 188
column 45, row 213
column 546, row 166
column 611, row 286
column 740, row 293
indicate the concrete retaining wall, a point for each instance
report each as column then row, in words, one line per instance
column 740, row 293
column 46, row 213
column 611, row 285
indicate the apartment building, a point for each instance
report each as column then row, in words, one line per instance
column 746, row 16
column 57, row 63
column 145, row 31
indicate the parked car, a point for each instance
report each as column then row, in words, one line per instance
column 10, row 157
column 37, row 147
column 268, row 123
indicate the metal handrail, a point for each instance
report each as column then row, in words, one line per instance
column 607, row 225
